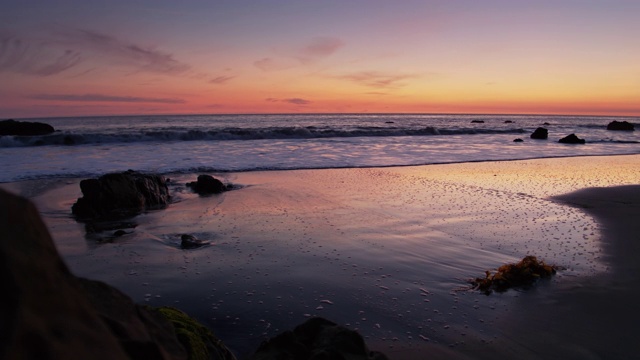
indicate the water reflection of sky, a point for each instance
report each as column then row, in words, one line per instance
column 381, row 251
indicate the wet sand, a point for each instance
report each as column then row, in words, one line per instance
column 387, row 251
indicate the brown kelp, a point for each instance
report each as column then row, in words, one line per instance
column 522, row 274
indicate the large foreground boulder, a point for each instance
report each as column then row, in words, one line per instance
column 620, row 126
column 48, row 313
column 540, row 134
column 120, row 195
column 571, row 139
column 24, row 128
column 317, row 338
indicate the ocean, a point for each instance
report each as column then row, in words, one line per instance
column 91, row 146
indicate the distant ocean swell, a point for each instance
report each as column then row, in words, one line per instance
column 279, row 133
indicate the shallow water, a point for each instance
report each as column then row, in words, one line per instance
column 384, row 251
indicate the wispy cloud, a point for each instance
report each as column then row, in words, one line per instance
column 20, row 56
column 295, row 101
column 303, row 54
column 377, row 80
column 141, row 57
column 64, row 49
column 106, row 98
column 221, row 79
column 271, row 64
column 318, row 48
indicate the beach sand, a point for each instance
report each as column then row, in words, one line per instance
column 387, row 251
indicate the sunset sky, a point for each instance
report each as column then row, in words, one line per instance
column 68, row 58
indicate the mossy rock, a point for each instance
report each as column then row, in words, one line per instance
column 198, row 340
column 521, row 274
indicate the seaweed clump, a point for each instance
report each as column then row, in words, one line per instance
column 522, row 274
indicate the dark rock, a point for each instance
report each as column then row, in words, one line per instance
column 571, row 139
column 317, row 338
column 477, row 121
column 518, row 140
column 620, row 125
column 24, row 128
column 389, row 122
column 44, row 312
column 540, row 134
column 207, row 184
column 546, row 124
column 191, row 242
column 119, row 233
column 68, row 140
column 48, row 313
column 120, row 195
column 508, row 122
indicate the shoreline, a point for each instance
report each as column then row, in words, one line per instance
column 170, row 174
column 371, row 241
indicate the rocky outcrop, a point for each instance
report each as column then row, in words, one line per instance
column 120, row 195
column 620, row 126
column 518, row 140
column 48, row 313
column 317, row 338
column 24, row 128
column 207, row 184
column 477, row 121
column 540, row 134
column 571, row 139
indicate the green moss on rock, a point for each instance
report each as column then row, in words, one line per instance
column 199, row 341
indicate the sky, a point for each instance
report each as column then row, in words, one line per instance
column 76, row 58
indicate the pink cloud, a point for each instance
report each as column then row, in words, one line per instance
column 306, row 54
column 295, row 101
column 221, row 79
column 376, row 79
column 319, row 47
column 106, row 98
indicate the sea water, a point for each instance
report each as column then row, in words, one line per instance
column 91, row 146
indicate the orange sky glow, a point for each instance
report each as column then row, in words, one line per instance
column 284, row 56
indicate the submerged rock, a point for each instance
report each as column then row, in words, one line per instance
column 571, row 139
column 191, row 242
column 317, row 338
column 24, row 128
column 540, row 134
column 620, row 126
column 518, row 140
column 120, row 195
column 207, row 184
column 477, row 121
column 522, row 274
